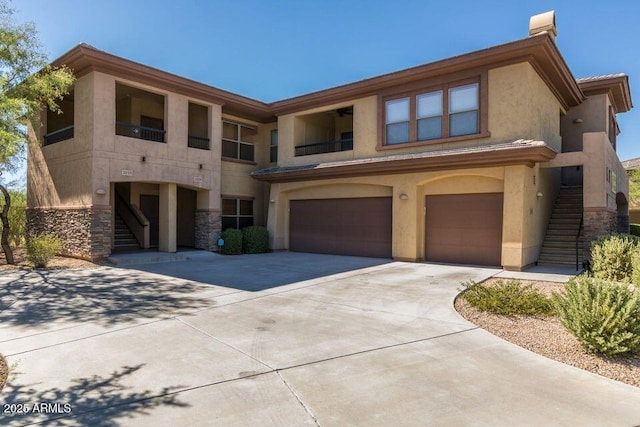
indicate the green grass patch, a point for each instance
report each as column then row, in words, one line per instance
column 508, row 298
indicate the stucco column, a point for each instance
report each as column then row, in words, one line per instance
column 168, row 216
column 513, row 217
column 405, row 204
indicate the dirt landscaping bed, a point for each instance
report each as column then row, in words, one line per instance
column 546, row 336
column 57, row 263
column 4, row 372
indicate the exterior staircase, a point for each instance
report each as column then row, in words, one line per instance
column 123, row 240
column 559, row 247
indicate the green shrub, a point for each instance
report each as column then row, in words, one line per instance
column 604, row 316
column 611, row 257
column 17, row 220
column 255, row 240
column 510, row 298
column 634, row 229
column 635, row 262
column 43, row 247
column 232, row 241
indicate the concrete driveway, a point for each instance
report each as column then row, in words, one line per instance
column 380, row 345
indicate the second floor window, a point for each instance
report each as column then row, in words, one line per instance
column 445, row 112
column 237, row 141
column 273, row 147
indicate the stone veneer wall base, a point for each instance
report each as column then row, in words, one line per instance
column 598, row 222
column 85, row 231
column 208, row 229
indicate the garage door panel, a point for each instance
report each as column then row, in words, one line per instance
column 360, row 227
column 464, row 228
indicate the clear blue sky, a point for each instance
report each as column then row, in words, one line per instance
column 271, row 50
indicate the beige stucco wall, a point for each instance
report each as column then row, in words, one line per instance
column 524, row 214
column 170, row 162
column 593, row 112
column 60, row 174
column 520, row 104
column 236, row 176
column 69, row 173
column 598, row 156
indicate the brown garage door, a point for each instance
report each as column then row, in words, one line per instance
column 464, row 228
column 359, row 227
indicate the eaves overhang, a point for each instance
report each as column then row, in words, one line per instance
column 539, row 50
column 84, row 59
column 521, row 152
column 616, row 85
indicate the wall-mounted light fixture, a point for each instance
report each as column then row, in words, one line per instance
column 143, row 159
column 577, row 121
column 101, row 192
column 200, row 166
column 272, row 201
column 539, row 194
column 403, row 196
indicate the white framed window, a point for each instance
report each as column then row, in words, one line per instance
column 397, row 121
column 450, row 110
column 463, row 110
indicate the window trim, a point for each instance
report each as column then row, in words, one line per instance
column 433, row 85
column 237, row 216
column 239, row 142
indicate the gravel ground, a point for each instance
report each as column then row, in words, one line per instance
column 57, row 263
column 546, row 336
column 4, row 372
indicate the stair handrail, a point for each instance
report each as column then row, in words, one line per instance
column 135, row 220
column 578, row 239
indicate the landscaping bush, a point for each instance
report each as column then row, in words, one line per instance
column 611, row 257
column 255, row 240
column 41, row 248
column 634, row 229
column 604, row 316
column 510, row 298
column 232, row 241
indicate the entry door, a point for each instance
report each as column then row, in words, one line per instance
column 464, row 228
column 150, row 207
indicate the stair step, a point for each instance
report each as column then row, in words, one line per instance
column 567, row 265
column 562, row 232
column 558, row 250
column 565, row 224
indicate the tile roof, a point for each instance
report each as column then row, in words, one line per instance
column 520, row 143
column 599, row 78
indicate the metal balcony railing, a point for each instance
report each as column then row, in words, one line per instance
column 198, row 142
column 324, row 147
column 140, row 132
column 58, row 135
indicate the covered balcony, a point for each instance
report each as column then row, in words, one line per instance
column 325, row 132
column 60, row 125
column 198, row 127
column 139, row 114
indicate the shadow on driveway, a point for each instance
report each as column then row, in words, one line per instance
column 107, row 395
column 105, row 296
column 260, row 271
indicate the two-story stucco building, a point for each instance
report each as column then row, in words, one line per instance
column 496, row 157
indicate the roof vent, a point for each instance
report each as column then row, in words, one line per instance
column 543, row 22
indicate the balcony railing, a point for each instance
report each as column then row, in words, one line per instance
column 324, row 147
column 140, row 132
column 58, row 135
column 198, row 142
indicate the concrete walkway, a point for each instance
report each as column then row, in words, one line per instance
column 377, row 346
